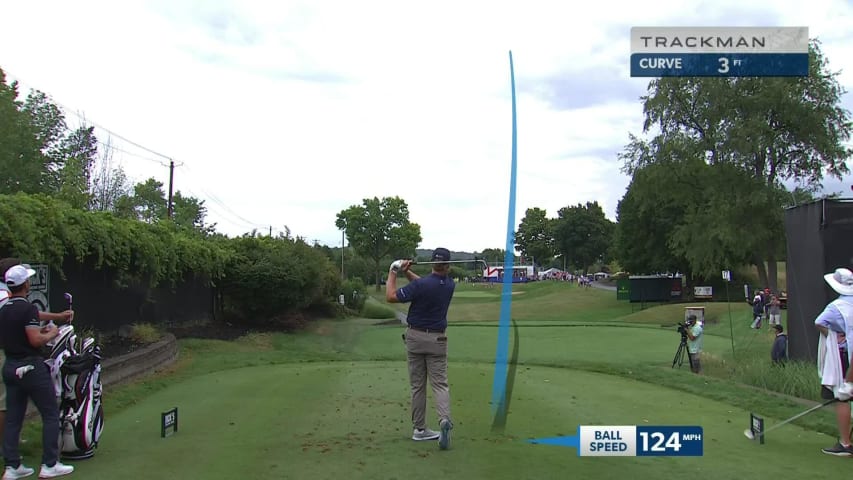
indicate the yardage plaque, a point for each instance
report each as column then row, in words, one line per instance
column 169, row 422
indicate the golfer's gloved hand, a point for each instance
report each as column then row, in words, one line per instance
column 844, row 392
column 396, row 266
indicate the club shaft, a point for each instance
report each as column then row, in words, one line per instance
column 802, row 414
column 447, row 261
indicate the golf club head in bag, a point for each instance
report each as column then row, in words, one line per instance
column 76, row 368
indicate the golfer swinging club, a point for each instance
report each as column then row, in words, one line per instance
column 426, row 342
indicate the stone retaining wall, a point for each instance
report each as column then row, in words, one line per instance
column 118, row 370
column 115, row 371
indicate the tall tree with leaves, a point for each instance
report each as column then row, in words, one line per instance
column 583, row 234
column 21, row 159
column 49, row 126
column 773, row 129
column 190, row 212
column 651, row 208
column 77, row 153
column 493, row 255
column 535, row 236
column 378, row 228
column 148, row 202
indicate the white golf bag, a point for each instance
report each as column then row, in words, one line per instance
column 75, row 365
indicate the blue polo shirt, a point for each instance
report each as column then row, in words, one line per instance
column 430, row 299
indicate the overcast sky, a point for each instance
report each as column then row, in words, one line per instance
column 285, row 113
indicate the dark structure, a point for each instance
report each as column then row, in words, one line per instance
column 654, row 288
column 106, row 301
column 820, row 239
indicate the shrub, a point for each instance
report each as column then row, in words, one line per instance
column 354, row 292
column 144, row 333
column 373, row 309
column 273, row 278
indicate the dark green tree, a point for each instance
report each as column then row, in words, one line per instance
column 772, row 129
column 535, row 236
column 377, row 229
column 583, row 234
column 21, row 159
column 493, row 255
column 148, row 202
column 190, row 212
column 77, row 153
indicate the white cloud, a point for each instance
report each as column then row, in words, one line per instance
column 285, row 113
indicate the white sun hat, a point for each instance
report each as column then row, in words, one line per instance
column 841, row 280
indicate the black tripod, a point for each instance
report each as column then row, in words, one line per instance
column 680, row 352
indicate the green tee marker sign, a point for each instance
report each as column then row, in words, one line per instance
column 169, row 421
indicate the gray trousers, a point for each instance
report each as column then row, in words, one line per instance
column 427, row 358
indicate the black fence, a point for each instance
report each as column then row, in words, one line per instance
column 819, row 235
column 104, row 301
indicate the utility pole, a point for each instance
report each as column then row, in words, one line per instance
column 171, row 184
column 342, row 255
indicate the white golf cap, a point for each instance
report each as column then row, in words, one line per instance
column 18, row 275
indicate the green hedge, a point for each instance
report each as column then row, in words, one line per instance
column 44, row 230
column 260, row 278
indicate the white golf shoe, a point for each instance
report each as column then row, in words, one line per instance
column 444, row 436
column 20, row 472
column 421, row 434
column 57, row 470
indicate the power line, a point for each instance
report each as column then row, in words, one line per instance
column 222, row 204
column 111, row 133
column 85, row 120
column 113, row 147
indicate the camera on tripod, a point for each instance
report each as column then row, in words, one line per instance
column 681, row 352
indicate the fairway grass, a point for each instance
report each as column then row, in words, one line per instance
column 351, row 420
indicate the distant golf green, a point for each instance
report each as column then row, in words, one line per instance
column 332, row 402
column 473, row 294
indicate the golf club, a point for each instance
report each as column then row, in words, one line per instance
column 70, row 303
column 750, row 435
column 415, row 262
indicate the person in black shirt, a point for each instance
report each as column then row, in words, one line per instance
column 66, row 316
column 27, row 377
column 779, row 352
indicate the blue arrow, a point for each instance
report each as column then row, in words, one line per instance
column 571, row 441
column 499, row 400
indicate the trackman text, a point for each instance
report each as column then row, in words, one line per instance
column 704, row 42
